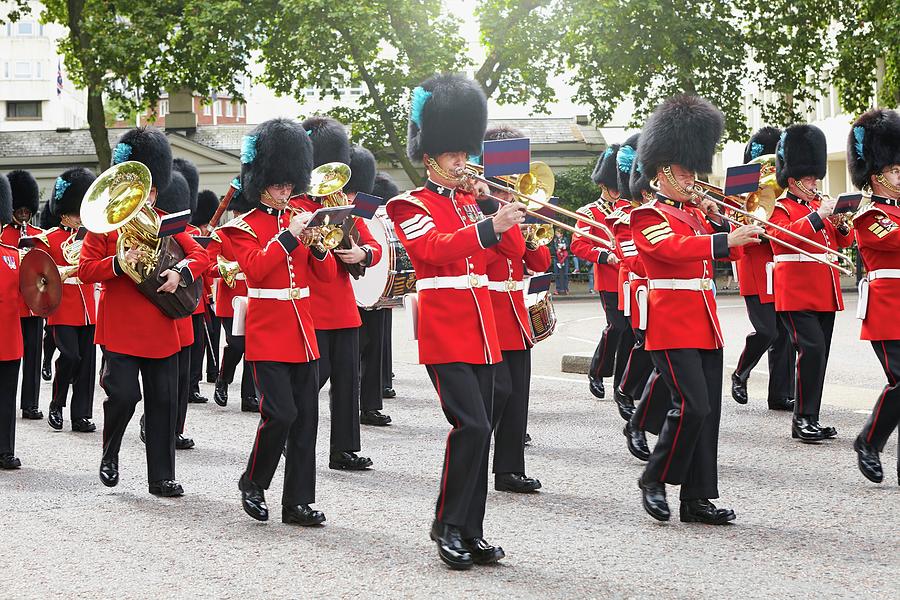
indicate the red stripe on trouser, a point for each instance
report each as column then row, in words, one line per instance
column 797, row 368
column 887, row 369
column 647, row 402
column 440, row 511
column 262, row 422
column 680, row 420
column 53, row 335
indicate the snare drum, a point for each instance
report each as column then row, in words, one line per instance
column 383, row 285
column 541, row 315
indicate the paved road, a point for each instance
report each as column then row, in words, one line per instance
column 583, row 535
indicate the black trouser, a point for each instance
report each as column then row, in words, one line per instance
column 31, row 362
column 159, row 377
column 656, row 400
column 288, row 420
column 9, row 379
column 810, row 333
column 466, row 395
column 197, row 350
column 214, row 326
column 769, row 334
column 371, row 356
column 615, row 344
column 231, row 356
column 637, row 369
column 49, row 345
column 686, row 452
column 512, row 383
column 184, row 386
column 76, row 365
column 886, row 415
column 339, row 355
column 387, row 359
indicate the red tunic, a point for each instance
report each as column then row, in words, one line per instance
column 78, row 307
column 333, row 302
column 510, row 313
column 632, row 265
column 878, row 235
column 672, row 249
column 10, row 235
column 751, row 270
column 449, row 237
column 806, row 285
column 194, row 232
column 274, row 261
column 606, row 277
column 224, row 295
column 10, row 325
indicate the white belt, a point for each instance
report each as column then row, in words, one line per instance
column 802, row 258
column 72, row 281
column 282, row 294
column 626, row 300
column 453, row 282
column 506, row 286
column 883, row 274
column 694, row 285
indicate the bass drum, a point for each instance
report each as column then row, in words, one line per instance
column 385, row 284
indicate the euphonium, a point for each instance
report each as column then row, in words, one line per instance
column 327, row 183
column 228, row 269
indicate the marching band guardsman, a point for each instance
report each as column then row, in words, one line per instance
column 615, row 342
column 678, row 242
column 72, row 323
column 769, row 334
column 448, row 240
column 206, row 205
column 512, row 378
column 47, row 221
column 334, row 310
column 807, row 291
column 270, row 245
column 11, row 329
column 873, row 157
column 137, row 339
column 25, row 200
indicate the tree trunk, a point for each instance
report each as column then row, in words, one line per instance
column 97, row 124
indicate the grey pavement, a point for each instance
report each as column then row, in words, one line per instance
column 584, row 535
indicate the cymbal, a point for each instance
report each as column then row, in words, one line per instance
column 39, row 282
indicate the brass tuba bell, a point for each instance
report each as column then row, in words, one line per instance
column 327, row 183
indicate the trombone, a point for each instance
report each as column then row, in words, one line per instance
column 535, row 189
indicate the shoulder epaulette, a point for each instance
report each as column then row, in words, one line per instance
column 408, row 197
column 215, row 236
column 240, row 224
column 871, row 206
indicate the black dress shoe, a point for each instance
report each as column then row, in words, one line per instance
column 374, row 417
column 249, row 404
column 220, row 395
column 196, row 398
column 482, row 552
column 253, row 499
column 388, row 392
column 653, row 496
column 46, row 373
column 166, row 488
column 183, row 443
column 302, row 515
column 8, row 462
column 704, row 511
column 527, row 438
column 109, row 473
column 55, row 418
column 827, row 432
column 596, row 387
column 143, row 431
column 636, row 441
column 786, row 404
column 451, row 548
column 802, row 429
column 738, row 389
column 83, row 425
column 868, row 460
column 32, row 414
column 516, row 483
column 348, row 461
column 624, row 403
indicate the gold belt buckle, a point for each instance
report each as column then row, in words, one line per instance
column 295, row 294
column 510, row 285
column 474, row 281
column 706, row 284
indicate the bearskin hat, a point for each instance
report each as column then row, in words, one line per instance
column 683, row 130
column 801, row 152
column 638, row 182
column 624, row 160
column 761, row 143
column 47, row 220
column 873, row 144
column 191, row 175
column 276, row 151
column 25, row 190
column 69, row 190
column 362, row 171
column 502, row 132
column 207, row 203
column 239, row 202
column 149, row 146
column 176, row 197
column 385, row 186
column 329, row 140
column 606, row 172
column 5, row 201
column 448, row 113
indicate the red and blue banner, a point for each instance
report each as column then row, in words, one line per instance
column 742, row 179
column 174, row 223
column 365, row 205
column 507, row 157
column 539, row 283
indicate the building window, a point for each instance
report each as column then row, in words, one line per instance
column 24, row 28
column 23, row 70
column 240, row 111
column 207, row 110
column 24, row 111
column 217, row 106
column 229, row 109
